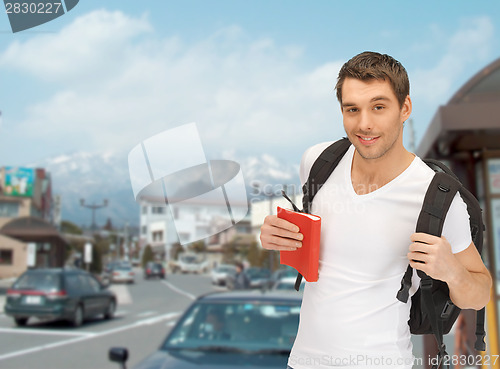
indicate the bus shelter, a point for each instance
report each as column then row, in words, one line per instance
column 465, row 134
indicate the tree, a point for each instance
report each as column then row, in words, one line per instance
column 253, row 255
column 147, row 255
column 229, row 253
column 175, row 251
column 197, row 246
column 68, row 227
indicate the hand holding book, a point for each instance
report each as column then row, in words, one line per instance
column 306, row 258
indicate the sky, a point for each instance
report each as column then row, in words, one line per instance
column 256, row 76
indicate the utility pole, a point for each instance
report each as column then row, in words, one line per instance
column 93, row 207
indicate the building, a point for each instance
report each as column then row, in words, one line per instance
column 28, row 237
column 191, row 220
column 465, row 133
column 259, row 209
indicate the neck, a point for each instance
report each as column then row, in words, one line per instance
column 367, row 175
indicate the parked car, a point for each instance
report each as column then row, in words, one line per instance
column 58, row 294
column 219, row 274
column 153, row 269
column 190, row 263
column 259, row 277
column 105, row 276
column 231, row 279
column 284, row 272
column 288, row 284
column 122, row 273
column 229, row 330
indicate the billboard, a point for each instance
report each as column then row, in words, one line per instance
column 19, row 181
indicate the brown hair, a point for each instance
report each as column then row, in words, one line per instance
column 371, row 65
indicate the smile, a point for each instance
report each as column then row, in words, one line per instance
column 367, row 140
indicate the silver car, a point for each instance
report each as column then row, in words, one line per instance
column 220, row 273
column 122, row 273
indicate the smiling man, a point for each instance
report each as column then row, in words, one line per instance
column 369, row 208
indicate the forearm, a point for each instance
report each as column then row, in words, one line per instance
column 470, row 290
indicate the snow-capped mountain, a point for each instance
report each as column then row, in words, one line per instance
column 98, row 176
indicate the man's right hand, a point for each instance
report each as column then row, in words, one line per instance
column 280, row 234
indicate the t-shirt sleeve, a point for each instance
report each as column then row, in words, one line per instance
column 456, row 226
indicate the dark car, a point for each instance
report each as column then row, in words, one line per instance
column 152, row 269
column 259, row 277
column 231, row 330
column 58, row 294
column 282, row 273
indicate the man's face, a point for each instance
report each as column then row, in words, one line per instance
column 373, row 119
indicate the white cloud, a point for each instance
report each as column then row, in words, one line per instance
column 81, row 47
column 115, row 87
column 468, row 45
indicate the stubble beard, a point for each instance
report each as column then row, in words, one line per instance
column 368, row 154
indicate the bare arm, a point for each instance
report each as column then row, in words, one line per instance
column 279, row 234
column 466, row 275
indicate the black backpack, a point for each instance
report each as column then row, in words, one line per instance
column 432, row 311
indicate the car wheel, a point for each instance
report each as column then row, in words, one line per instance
column 110, row 310
column 77, row 317
column 21, row 322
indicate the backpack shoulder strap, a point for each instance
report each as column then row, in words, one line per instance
column 321, row 170
column 437, row 201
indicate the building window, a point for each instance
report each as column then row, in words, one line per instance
column 157, row 236
column 5, row 257
column 144, row 229
column 158, row 210
column 9, row 209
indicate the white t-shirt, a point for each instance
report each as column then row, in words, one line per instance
column 351, row 317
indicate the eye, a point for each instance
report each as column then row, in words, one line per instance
column 352, row 110
column 378, row 107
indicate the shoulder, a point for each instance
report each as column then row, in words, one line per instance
column 309, row 157
column 423, row 169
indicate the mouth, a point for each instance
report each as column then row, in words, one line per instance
column 367, row 140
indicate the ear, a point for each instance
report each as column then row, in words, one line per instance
column 406, row 109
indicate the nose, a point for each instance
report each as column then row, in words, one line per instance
column 365, row 123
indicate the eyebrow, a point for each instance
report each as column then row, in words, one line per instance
column 376, row 98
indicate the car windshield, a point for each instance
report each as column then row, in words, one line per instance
column 123, row 268
column 189, row 259
column 224, row 268
column 38, row 281
column 288, row 286
column 257, row 273
column 249, row 326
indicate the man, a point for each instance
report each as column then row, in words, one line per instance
column 369, row 207
column 241, row 281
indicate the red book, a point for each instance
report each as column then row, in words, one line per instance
column 306, row 258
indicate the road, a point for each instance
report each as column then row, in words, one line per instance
column 146, row 312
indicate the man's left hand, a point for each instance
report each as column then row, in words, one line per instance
column 433, row 256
